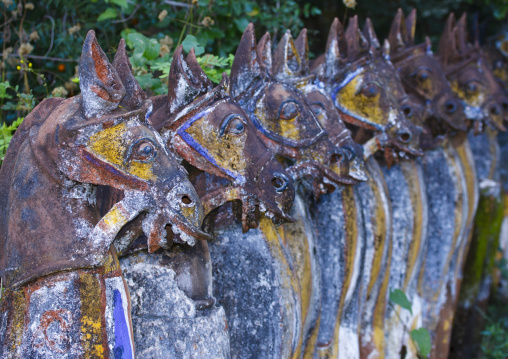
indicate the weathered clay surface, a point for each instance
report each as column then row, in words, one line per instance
column 51, row 222
column 339, row 234
column 167, row 322
column 408, row 198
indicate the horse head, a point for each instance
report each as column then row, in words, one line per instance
column 424, row 79
column 63, row 151
column 469, row 76
column 213, row 134
column 283, row 117
column 291, row 65
column 366, row 89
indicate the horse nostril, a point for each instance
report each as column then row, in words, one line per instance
column 408, row 111
column 404, row 136
column 186, row 199
column 505, row 106
column 336, row 158
column 451, row 107
column 279, row 182
column 494, row 110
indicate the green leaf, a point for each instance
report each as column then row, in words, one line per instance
column 110, row 13
column 190, row 42
column 152, row 49
column 3, row 90
column 399, row 297
column 241, row 24
column 422, row 339
column 122, row 3
column 143, row 46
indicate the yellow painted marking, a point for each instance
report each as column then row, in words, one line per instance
column 466, row 159
column 454, row 166
column 91, row 316
column 111, row 264
column 378, row 221
column 476, row 100
column 289, row 282
column 114, row 217
column 227, row 150
column 410, row 173
column 18, row 318
column 351, row 227
column 382, row 260
column 368, row 108
column 111, row 145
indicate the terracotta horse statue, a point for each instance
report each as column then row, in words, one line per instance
column 65, row 294
column 285, row 122
column 238, row 180
column 452, row 190
column 474, row 83
column 332, row 249
column 366, row 90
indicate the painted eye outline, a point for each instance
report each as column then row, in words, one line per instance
column 422, row 74
column 370, row 90
column 468, row 87
column 295, row 111
column 143, row 150
column 226, row 128
column 318, row 105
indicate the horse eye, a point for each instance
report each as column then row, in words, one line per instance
column 317, row 108
column 473, row 87
column 370, row 90
column 423, row 75
column 236, row 126
column 143, row 151
column 288, row 110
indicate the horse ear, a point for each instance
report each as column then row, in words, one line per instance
column 447, row 43
column 370, row 34
column 332, row 60
column 135, row 96
column 461, row 34
column 398, row 36
column 186, row 80
column 411, row 27
column 264, row 53
column 245, row 69
column 356, row 42
column 286, row 59
column 302, row 47
column 101, row 87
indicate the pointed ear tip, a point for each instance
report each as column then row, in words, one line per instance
column 121, row 45
column 90, row 33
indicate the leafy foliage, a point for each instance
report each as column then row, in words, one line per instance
column 6, row 133
column 422, row 339
column 421, row 336
column 399, row 297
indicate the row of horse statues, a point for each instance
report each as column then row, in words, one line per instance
column 270, row 216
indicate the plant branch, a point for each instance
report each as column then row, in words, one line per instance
column 45, row 58
column 176, row 3
column 128, row 17
column 52, row 34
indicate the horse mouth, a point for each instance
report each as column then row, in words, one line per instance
column 157, row 225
